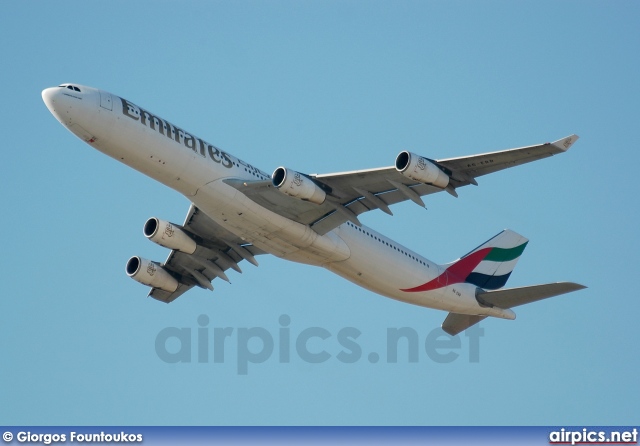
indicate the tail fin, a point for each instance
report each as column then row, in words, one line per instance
column 489, row 265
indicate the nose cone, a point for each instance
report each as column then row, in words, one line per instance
column 57, row 103
column 75, row 107
column 48, row 96
column 69, row 103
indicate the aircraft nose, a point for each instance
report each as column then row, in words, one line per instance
column 57, row 103
column 75, row 107
column 61, row 103
column 49, row 97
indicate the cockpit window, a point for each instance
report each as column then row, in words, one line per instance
column 70, row 87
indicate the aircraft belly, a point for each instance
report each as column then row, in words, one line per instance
column 376, row 267
column 265, row 229
column 385, row 282
column 386, row 271
column 388, row 281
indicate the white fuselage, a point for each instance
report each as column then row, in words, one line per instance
column 196, row 169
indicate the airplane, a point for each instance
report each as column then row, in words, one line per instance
column 238, row 212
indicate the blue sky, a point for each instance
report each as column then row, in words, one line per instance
column 323, row 87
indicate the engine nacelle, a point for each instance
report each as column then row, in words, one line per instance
column 297, row 185
column 168, row 235
column 151, row 274
column 420, row 169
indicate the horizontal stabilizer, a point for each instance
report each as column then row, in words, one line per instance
column 513, row 297
column 456, row 323
column 508, row 298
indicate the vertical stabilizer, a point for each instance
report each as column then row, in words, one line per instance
column 489, row 265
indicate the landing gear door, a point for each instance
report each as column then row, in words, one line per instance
column 105, row 100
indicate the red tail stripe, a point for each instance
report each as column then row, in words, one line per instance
column 456, row 273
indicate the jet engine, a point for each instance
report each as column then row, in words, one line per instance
column 420, row 169
column 297, row 185
column 168, row 235
column 151, row 274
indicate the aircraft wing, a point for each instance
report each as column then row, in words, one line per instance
column 350, row 194
column 218, row 250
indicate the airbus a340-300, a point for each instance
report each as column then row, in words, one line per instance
column 238, row 212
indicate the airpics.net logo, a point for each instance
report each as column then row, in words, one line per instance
column 284, row 344
column 590, row 436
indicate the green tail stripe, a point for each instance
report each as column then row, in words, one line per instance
column 505, row 255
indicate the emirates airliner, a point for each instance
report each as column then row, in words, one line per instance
column 239, row 211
